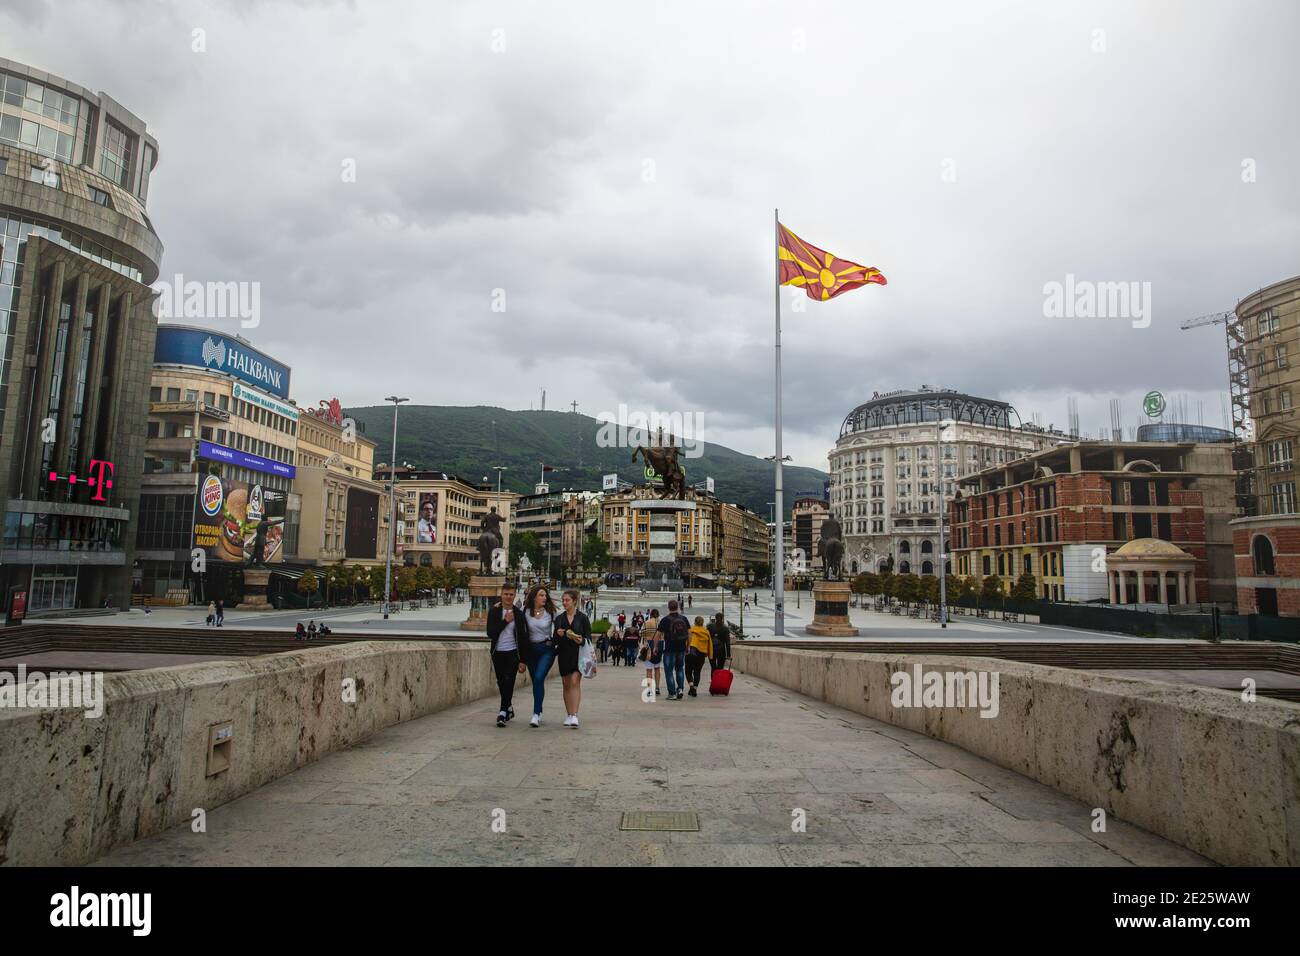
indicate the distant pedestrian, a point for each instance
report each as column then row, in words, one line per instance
column 300, row 632
column 311, row 630
column 221, row 612
column 212, row 613
column 690, row 600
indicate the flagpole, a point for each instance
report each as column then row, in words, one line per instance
column 778, row 622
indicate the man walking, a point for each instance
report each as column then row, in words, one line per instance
column 505, row 625
column 676, row 631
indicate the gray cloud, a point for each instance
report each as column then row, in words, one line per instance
column 614, row 171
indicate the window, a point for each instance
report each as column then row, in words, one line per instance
column 173, row 394
column 44, row 176
column 1279, row 353
column 1268, row 322
column 155, row 394
column 100, row 198
column 115, row 157
column 4, row 165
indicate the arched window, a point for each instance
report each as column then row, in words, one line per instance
column 904, row 547
column 426, row 560
column 927, row 547
column 904, row 568
column 854, row 567
column 927, row 567
column 1262, row 548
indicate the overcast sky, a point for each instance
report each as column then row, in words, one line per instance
column 614, row 167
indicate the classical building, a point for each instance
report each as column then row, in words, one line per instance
column 579, row 517
column 542, row 513
column 892, row 454
column 438, row 516
column 1058, row 514
column 807, row 516
column 218, row 406
column 627, row 533
column 77, row 254
column 342, row 507
column 1266, row 329
column 741, row 539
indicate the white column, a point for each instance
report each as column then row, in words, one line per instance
column 1182, row 587
column 1163, row 577
column 1111, row 581
column 1191, row 587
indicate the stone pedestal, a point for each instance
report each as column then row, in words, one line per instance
column 831, row 614
column 484, row 590
column 661, row 571
column 255, row 582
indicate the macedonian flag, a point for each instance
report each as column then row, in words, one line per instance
column 822, row 274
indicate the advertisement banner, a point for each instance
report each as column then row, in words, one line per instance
column 426, row 532
column 233, row 520
column 361, row 537
column 234, row 456
column 609, row 482
column 203, row 348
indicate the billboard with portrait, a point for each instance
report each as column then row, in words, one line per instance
column 426, row 527
column 233, row 518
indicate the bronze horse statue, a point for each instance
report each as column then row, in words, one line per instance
column 489, row 540
column 831, row 548
column 664, row 463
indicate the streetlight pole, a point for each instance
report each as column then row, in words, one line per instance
column 392, row 513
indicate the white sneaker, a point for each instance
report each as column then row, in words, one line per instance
column 537, row 719
column 574, row 725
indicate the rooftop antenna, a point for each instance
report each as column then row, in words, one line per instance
column 1116, row 431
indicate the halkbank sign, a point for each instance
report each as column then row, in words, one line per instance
column 204, row 348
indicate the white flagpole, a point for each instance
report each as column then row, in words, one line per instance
column 778, row 622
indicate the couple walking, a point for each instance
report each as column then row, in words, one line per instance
column 682, row 649
column 531, row 638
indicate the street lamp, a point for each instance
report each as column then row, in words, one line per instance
column 392, row 514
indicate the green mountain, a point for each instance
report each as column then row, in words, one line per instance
column 463, row 441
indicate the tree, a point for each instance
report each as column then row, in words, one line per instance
column 462, row 577
column 907, row 588
column 930, row 589
column 375, row 582
column 966, row 589
column 762, row 572
column 595, row 552
column 308, row 585
column 1026, row 588
column 424, row 579
column 406, row 581
column 991, row 589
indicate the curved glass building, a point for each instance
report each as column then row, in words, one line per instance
column 77, row 250
column 1171, row 431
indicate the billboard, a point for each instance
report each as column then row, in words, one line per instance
column 610, row 482
column 214, row 452
column 203, row 348
column 231, row 519
column 361, row 537
column 426, row 530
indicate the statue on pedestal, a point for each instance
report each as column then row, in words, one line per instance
column 831, row 548
column 489, row 539
column 664, row 463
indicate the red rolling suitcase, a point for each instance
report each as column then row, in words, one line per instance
column 720, row 682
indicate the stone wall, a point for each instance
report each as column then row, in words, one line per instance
column 73, row 788
column 1197, row 766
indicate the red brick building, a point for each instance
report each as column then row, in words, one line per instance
column 1058, row 513
column 1267, row 554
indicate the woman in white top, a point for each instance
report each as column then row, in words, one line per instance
column 539, row 617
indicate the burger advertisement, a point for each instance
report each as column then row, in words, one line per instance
column 230, row 517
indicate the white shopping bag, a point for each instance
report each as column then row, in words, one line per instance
column 586, row 660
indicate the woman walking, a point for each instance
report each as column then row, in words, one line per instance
column 652, row 653
column 699, row 650
column 572, row 628
column 540, row 621
column 721, row 643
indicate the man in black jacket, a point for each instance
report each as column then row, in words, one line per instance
column 507, row 636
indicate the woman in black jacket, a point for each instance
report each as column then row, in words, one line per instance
column 507, row 638
column 572, row 627
column 721, row 642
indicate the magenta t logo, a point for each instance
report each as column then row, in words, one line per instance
column 98, row 480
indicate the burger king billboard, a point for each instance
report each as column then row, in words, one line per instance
column 232, row 517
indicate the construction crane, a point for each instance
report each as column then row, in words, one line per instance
column 1239, row 397
column 1214, row 318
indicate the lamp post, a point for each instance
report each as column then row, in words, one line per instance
column 392, row 514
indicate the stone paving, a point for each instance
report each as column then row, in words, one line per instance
column 427, row 792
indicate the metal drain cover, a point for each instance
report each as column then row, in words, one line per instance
column 661, row 820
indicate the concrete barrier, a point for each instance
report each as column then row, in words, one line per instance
column 1197, row 766
column 72, row 788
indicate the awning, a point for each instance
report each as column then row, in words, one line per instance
column 292, row 573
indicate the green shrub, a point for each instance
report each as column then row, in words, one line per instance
column 601, row 627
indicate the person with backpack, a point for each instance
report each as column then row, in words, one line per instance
column 721, row 636
column 631, row 642
column 699, row 650
column 676, row 630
